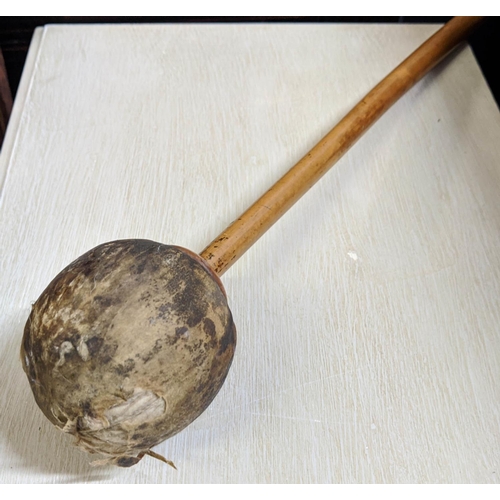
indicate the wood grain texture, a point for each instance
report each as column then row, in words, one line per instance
column 368, row 316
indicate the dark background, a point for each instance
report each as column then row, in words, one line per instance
column 16, row 33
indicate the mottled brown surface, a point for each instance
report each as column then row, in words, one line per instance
column 128, row 345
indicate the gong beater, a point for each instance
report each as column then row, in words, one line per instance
column 132, row 341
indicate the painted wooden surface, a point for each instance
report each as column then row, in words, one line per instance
column 368, row 317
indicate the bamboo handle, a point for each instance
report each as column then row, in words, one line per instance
column 230, row 245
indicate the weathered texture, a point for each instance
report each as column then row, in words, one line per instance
column 128, row 345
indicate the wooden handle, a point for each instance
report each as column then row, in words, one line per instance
column 233, row 242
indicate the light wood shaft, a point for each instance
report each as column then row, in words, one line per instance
column 230, row 245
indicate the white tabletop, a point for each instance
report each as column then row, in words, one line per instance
column 368, row 317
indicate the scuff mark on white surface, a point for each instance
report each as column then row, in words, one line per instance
column 353, row 255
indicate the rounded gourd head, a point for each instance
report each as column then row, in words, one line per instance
column 128, row 345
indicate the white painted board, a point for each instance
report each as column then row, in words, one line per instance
column 368, row 317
